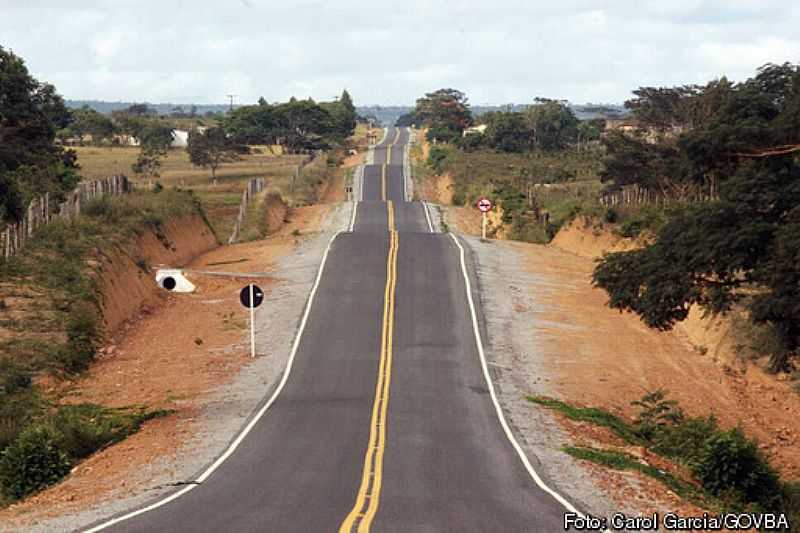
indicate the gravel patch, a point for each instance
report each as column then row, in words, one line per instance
column 226, row 410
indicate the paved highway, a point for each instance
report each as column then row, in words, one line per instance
column 386, row 421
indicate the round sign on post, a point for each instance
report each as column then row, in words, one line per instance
column 251, row 297
column 484, row 205
column 258, row 296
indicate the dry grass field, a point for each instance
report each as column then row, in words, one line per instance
column 221, row 200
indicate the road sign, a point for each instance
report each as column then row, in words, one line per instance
column 484, row 204
column 251, row 297
column 258, row 296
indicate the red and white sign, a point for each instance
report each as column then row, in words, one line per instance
column 484, row 204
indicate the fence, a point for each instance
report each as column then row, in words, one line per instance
column 254, row 186
column 636, row 195
column 40, row 211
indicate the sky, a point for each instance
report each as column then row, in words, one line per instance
column 389, row 52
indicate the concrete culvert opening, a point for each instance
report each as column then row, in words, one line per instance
column 169, row 283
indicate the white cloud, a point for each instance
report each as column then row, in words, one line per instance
column 392, row 51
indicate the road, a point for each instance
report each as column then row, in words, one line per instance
column 386, row 421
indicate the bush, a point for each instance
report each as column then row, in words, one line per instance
column 16, row 411
column 730, row 466
column 685, row 441
column 436, row 158
column 83, row 429
column 79, row 351
column 31, row 463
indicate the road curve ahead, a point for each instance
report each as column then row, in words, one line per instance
column 386, row 421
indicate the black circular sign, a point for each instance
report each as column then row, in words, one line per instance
column 169, row 283
column 258, row 296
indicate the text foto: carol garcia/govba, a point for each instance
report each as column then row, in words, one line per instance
column 675, row 522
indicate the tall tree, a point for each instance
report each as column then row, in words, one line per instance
column 553, row 125
column 212, row 148
column 445, row 113
column 30, row 163
column 743, row 246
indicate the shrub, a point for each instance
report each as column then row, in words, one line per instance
column 685, row 441
column 655, row 412
column 79, row 351
column 83, row 429
column 31, row 463
column 436, row 158
column 16, row 411
column 731, row 466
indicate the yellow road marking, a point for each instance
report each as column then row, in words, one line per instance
column 368, row 497
column 389, row 148
column 383, row 183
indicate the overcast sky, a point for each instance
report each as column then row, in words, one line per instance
column 390, row 52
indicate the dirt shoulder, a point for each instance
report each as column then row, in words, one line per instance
column 189, row 354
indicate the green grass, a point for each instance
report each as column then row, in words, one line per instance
column 593, row 415
column 622, row 461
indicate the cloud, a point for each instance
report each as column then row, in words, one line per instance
column 391, row 52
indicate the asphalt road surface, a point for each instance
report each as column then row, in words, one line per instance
column 385, row 422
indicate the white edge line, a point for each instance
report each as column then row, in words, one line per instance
column 427, row 215
column 353, row 218
column 541, row 484
column 235, row 444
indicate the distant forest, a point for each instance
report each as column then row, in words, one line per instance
column 386, row 115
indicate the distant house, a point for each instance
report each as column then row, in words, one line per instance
column 180, row 139
column 625, row 125
column 475, row 130
column 123, row 139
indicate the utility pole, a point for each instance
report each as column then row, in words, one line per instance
column 231, row 96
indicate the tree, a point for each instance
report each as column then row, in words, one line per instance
column 212, row 148
column 30, row 163
column 154, row 140
column 445, row 113
column 743, row 247
column 406, row 120
column 553, row 124
column 255, row 124
column 508, row 132
column 303, row 125
column 88, row 121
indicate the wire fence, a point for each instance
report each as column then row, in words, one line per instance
column 41, row 211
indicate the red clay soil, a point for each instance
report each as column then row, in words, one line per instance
column 606, row 359
column 171, row 355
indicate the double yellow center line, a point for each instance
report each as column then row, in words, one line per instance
column 389, row 148
column 363, row 512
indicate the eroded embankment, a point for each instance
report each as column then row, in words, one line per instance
column 126, row 279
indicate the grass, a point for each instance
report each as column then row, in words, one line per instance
column 220, row 200
column 623, row 461
column 728, row 470
column 57, row 273
column 593, row 415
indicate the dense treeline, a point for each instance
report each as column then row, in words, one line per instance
column 546, row 125
column 738, row 142
column 297, row 124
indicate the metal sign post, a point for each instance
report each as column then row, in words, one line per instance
column 484, row 205
column 251, row 297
